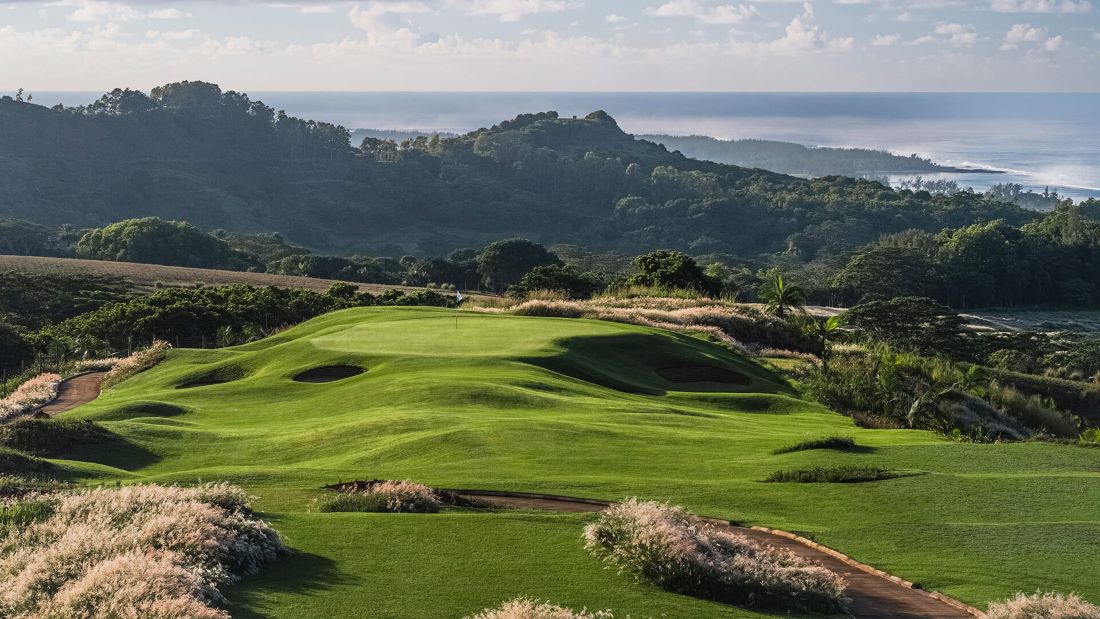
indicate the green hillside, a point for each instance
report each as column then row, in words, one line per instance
column 573, row 407
column 190, row 151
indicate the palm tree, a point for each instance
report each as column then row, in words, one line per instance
column 822, row 332
column 781, row 298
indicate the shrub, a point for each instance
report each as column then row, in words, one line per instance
column 147, row 551
column 137, row 363
column 1043, row 606
column 664, row 545
column 1035, row 411
column 31, row 394
column 833, row 475
column 837, row 443
column 396, row 497
column 524, row 608
column 1090, row 437
column 97, row 365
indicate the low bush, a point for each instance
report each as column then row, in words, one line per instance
column 833, row 475
column 29, row 395
column 138, row 551
column 137, row 363
column 525, row 608
column 1090, row 437
column 1043, row 606
column 49, row 437
column 666, row 546
column 836, row 443
column 97, row 365
column 16, row 486
column 395, row 497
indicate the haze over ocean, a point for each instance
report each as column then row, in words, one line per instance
column 1039, row 139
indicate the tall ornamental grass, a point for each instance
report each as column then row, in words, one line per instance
column 666, row 546
column 28, row 396
column 395, row 497
column 152, row 552
column 137, row 363
column 526, row 608
column 1043, row 606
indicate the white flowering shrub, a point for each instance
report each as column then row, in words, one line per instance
column 137, row 363
column 139, row 551
column 525, row 608
column 1044, row 606
column 666, row 546
column 31, row 394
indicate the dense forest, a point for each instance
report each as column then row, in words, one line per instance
column 190, row 151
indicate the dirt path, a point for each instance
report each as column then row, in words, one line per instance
column 73, row 392
column 872, row 593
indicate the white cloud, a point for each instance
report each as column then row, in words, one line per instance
column 959, row 35
column 1022, row 33
column 317, row 9
column 803, row 34
column 1054, row 43
column 173, row 35
column 885, row 40
column 1041, row 6
column 386, row 20
column 96, row 11
column 614, row 18
column 509, row 10
column 169, row 13
column 727, row 14
column 904, row 16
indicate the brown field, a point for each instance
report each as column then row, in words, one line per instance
column 146, row 277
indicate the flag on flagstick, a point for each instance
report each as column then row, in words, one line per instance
column 458, row 301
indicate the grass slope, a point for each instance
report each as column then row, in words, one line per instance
column 570, row 407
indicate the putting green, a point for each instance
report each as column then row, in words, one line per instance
column 571, row 407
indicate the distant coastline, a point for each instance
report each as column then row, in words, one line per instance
column 803, row 160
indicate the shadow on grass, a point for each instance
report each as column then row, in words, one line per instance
column 299, row 573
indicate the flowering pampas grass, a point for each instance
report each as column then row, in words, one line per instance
column 397, row 497
column 152, row 552
column 1043, row 606
column 664, row 545
column 136, row 363
column 29, row 395
column 525, row 608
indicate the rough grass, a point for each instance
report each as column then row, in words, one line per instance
column 29, row 395
column 136, row 363
column 664, row 545
column 835, row 443
column 48, row 437
column 833, row 475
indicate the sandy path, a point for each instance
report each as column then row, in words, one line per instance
column 872, row 594
column 74, row 392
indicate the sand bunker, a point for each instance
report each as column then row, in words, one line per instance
column 704, row 378
column 329, row 374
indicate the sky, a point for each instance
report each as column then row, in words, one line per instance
column 553, row 45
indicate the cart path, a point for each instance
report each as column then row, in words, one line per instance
column 873, row 593
column 73, row 392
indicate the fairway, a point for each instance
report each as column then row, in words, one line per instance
column 571, row 407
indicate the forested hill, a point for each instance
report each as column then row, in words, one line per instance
column 216, row 158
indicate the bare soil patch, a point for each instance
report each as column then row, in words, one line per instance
column 704, row 378
column 329, row 374
column 73, row 392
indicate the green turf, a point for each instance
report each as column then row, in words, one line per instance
column 571, row 407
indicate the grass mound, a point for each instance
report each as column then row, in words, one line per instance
column 1043, row 606
column 394, row 497
column 50, row 437
column 663, row 545
column 525, row 608
column 833, row 475
column 139, row 551
column 834, row 443
column 217, row 376
column 14, row 462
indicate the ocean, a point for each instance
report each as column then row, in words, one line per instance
column 1039, row 140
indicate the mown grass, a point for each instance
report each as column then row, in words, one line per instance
column 573, row 407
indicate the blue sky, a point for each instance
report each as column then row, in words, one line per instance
column 550, row 45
